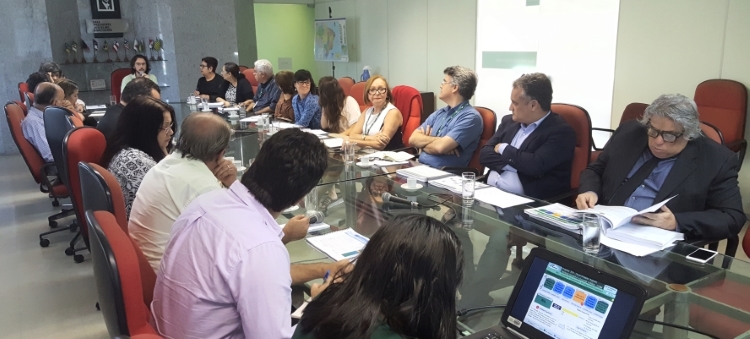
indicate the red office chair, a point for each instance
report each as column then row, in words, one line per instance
column 712, row 132
column 243, row 68
column 409, row 102
column 250, row 76
column 633, row 111
column 22, row 89
column 357, row 91
column 723, row 103
column 38, row 168
column 346, row 84
column 29, row 100
column 83, row 144
column 115, row 81
column 578, row 118
column 489, row 120
column 117, row 272
column 22, row 105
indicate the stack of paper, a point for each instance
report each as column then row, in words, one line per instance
column 333, row 142
column 654, row 237
column 314, row 227
column 497, row 197
column 282, row 124
column 453, row 183
column 558, row 215
column 340, row 245
column 315, row 131
column 422, row 173
column 389, row 156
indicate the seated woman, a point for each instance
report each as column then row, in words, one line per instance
column 403, row 286
column 379, row 126
column 143, row 137
column 70, row 91
column 239, row 90
column 339, row 111
column 284, row 110
column 305, row 103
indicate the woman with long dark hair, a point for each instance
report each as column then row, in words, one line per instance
column 339, row 111
column 142, row 138
column 239, row 90
column 403, row 286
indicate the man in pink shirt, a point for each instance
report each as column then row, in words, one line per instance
column 225, row 272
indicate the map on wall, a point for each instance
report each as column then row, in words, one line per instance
column 330, row 40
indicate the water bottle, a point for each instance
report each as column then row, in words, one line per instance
column 365, row 74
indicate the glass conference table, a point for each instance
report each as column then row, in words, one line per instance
column 495, row 241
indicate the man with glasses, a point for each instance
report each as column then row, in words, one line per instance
column 665, row 155
column 268, row 92
column 210, row 86
column 450, row 135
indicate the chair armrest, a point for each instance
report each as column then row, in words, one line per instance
column 593, row 143
column 741, row 145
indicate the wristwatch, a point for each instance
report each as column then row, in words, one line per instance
column 363, row 137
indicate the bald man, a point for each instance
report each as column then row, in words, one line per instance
column 45, row 94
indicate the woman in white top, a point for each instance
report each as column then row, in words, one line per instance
column 143, row 137
column 379, row 126
column 339, row 111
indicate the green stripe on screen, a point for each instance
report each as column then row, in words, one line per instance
column 508, row 60
column 532, row 2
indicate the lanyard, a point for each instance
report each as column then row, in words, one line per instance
column 450, row 117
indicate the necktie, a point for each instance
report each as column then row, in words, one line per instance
column 628, row 186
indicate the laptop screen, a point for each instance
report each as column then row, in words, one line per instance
column 561, row 303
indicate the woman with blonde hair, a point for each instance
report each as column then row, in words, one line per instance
column 379, row 126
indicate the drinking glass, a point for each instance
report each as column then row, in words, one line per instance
column 347, row 147
column 467, row 186
column 311, row 200
column 112, row 100
column 591, row 233
column 204, row 104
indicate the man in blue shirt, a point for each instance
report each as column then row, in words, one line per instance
column 268, row 92
column 450, row 136
column 46, row 94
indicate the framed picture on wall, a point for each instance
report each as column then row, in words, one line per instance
column 105, row 9
column 105, row 5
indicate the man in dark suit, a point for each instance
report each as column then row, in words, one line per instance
column 665, row 155
column 532, row 151
column 136, row 87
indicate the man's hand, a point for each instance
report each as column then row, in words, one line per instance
column 339, row 267
column 226, row 172
column 296, row 229
column 586, row 200
column 664, row 219
column 196, row 93
column 454, row 152
column 427, row 130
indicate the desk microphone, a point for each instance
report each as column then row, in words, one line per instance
column 315, row 216
column 387, row 197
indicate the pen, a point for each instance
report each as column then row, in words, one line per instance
column 325, row 277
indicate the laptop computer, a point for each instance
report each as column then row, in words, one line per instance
column 556, row 297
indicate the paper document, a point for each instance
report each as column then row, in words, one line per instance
column 384, row 163
column 631, row 248
column 315, row 131
column 422, row 173
column 340, row 245
column 282, row 124
column 453, row 184
column 297, row 314
column 558, row 215
column 97, row 114
column 313, row 227
column 389, row 156
column 499, row 198
column 254, row 118
column 621, row 215
column 90, row 107
column 333, row 142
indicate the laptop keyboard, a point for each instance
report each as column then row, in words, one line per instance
column 487, row 334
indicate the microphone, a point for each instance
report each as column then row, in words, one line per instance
column 387, row 197
column 315, row 216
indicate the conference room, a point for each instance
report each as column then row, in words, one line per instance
column 498, row 127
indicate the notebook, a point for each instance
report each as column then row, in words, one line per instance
column 556, row 297
column 422, row 173
column 339, row 245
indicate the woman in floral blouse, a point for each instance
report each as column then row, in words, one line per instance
column 142, row 138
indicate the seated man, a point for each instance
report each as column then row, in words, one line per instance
column 136, row 87
column 225, row 271
column 46, row 94
column 210, row 85
column 665, row 155
column 268, row 92
column 139, row 68
column 450, row 135
column 532, row 151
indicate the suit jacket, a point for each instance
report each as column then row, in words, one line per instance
column 708, row 205
column 544, row 159
column 108, row 122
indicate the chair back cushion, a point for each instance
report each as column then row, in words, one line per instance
column 118, row 277
column 23, row 107
column 56, row 127
column 101, row 192
column 489, row 119
column 408, row 100
column 30, row 155
column 357, row 91
column 579, row 119
column 250, row 76
column 346, row 84
column 711, row 132
column 633, row 111
column 22, row 89
column 723, row 103
column 84, row 144
column 115, row 81
column 29, row 100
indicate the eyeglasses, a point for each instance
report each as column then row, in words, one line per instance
column 380, row 90
column 202, row 66
column 304, row 83
column 445, row 82
column 666, row 135
column 165, row 129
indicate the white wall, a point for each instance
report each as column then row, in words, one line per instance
column 670, row 46
column 575, row 43
column 409, row 42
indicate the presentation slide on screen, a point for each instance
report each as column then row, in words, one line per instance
column 569, row 305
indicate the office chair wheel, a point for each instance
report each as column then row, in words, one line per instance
column 44, row 242
column 52, row 223
column 78, row 258
column 55, row 203
column 70, row 251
